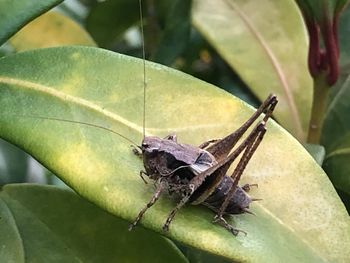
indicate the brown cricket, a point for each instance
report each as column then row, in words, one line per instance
column 198, row 175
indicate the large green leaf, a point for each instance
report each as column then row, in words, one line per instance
column 46, row 222
column 265, row 42
column 300, row 219
column 16, row 13
column 336, row 138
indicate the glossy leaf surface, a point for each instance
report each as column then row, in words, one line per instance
column 16, row 13
column 336, row 138
column 300, row 218
column 55, row 225
column 51, row 29
column 13, row 164
column 266, row 44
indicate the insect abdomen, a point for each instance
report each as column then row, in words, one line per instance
column 237, row 204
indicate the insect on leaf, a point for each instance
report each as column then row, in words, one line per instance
column 300, row 209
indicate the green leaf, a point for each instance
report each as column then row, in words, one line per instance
column 51, row 29
column 336, row 138
column 13, row 164
column 16, row 13
column 300, row 218
column 176, row 33
column 46, row 222
column 316, row 151
column 344, row 37
column 107, row 20
column 321, row 10
column 345, row 197
column 266, row 44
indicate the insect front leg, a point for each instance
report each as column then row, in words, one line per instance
column 136, row 151
column 141, row 175
column 161, row 186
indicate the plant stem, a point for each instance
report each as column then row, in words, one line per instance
column 319, row 105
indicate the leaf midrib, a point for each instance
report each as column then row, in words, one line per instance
column 276, row 65
column 69, row 98
column 290, row 229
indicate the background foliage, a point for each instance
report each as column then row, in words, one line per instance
column 247, row 51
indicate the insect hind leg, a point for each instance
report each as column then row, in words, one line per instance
column 207, row 143
column 222, row 147
column 257, row 136
column 222, row 222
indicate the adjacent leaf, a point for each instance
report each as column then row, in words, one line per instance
column 13, row 164
column 109, row 19
column 345, row 197
column 344, row 37
column 176, row 34
column 266, row 44
column 46, row 222
column 51, row 29
column 336, row 138
column 300, row 218
column 16, row 13
column 316, row 151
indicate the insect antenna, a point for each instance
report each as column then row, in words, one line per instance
column 86, row 124
column 144, row 71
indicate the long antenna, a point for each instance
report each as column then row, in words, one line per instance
column 82, row 123
column 144, row 71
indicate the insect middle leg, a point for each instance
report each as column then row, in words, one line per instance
column 159, row 189
column 180, row 204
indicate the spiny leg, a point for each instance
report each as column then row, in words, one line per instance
column 136, row 151
column 159, row 189
column 222, row 222
column 222, row 148
column 180, row 204
column 143, row 179
column 236, row 175
column 219, row 170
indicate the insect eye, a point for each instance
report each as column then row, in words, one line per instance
column 144, row 145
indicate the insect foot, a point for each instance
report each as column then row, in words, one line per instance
column 221, row 221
